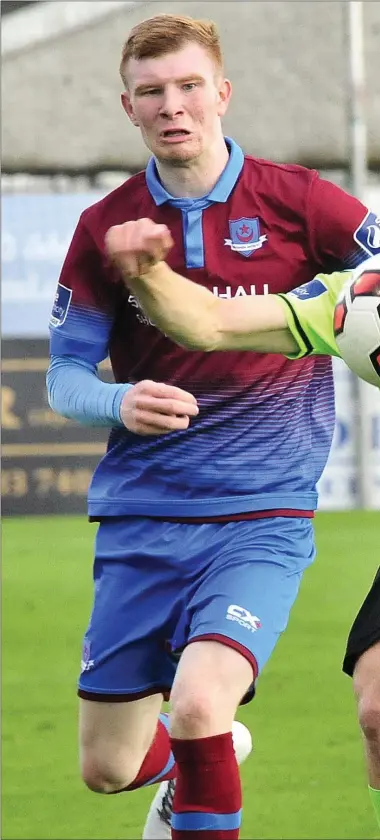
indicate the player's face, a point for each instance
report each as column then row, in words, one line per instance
column 177, row 101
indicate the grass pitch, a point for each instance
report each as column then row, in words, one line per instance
column 306, row 778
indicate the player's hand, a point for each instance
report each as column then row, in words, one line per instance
column 136, row 246
column 153, row 408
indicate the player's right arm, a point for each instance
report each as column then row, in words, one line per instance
column 81, row 323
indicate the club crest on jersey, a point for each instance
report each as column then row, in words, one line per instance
column 367, row 235
column 245, row 236
column 60, row 306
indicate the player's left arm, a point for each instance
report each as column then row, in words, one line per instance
column 342, row 231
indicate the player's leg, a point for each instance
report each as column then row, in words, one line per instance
column 237, row 611
column 125, row 666
column 210, row 683
column 362, row 661
column 115, row 738
column 367, row 690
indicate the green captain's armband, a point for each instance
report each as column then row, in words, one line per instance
column 309, row 312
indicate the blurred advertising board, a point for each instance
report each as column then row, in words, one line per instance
column 47, row 461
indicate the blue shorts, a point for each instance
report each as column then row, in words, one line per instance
column 160, row 585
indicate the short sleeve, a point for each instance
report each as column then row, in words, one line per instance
column 342, row 231
column 85, row 302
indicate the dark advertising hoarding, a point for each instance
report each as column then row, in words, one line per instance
column 47, row 461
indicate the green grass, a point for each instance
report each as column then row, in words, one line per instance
column 306, row 778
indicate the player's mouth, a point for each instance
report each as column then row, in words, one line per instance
column 175, row 135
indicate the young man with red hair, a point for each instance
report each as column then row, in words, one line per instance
column 206, row 494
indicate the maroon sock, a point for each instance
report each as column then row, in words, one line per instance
column 159, row 762
column 207, row 799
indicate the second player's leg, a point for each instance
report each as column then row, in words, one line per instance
column 367, row 690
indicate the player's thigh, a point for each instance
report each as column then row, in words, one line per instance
column 210, row 682
column 115, row 737
column 245, row 597
column 137, row 594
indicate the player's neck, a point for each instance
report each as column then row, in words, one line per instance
column 196, row 178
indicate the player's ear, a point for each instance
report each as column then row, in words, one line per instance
column 224, row 96
column 128, row 108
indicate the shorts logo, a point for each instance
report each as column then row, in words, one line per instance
column 367, row 234
column 245, row 236
column 243, row 617
column 60, row 306
column 86, row 662
column 309, row 290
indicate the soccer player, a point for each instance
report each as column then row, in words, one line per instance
column 297, row 323
column 362, row 662
column 206, row 493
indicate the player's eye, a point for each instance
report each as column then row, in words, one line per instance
column 151, row 92
column 188, row 86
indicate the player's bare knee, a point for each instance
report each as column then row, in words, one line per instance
column 102, row 776
column 192, row 716
column 369, row 715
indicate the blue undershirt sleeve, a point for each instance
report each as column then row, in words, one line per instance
column 75, row 391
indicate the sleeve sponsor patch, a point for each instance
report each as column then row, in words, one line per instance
column 60, row 306
column 367, row 235
column 309, row 290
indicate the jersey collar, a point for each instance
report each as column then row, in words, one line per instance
column 219, row 193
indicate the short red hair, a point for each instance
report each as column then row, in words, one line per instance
column 164, row 34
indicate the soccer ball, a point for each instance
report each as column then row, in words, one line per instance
column 357, row 321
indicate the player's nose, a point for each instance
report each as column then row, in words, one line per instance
column 172, row 104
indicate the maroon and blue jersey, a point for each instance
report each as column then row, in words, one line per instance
column 264, row 430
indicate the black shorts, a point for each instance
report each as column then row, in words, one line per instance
column 365, row 630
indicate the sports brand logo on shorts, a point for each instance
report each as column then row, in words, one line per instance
column 60, row 306
column 86, row 662
column 367, row 235
column 243, row 617
column 245, row 236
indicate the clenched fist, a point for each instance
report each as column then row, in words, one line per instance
column 153, row 408
column 134, row 247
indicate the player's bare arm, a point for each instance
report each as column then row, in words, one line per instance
column 188, row 313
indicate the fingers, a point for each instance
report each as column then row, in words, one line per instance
column 162, row 391
column 137, row 245
column 170, row 407
column 159, row 424
column 154, row 408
